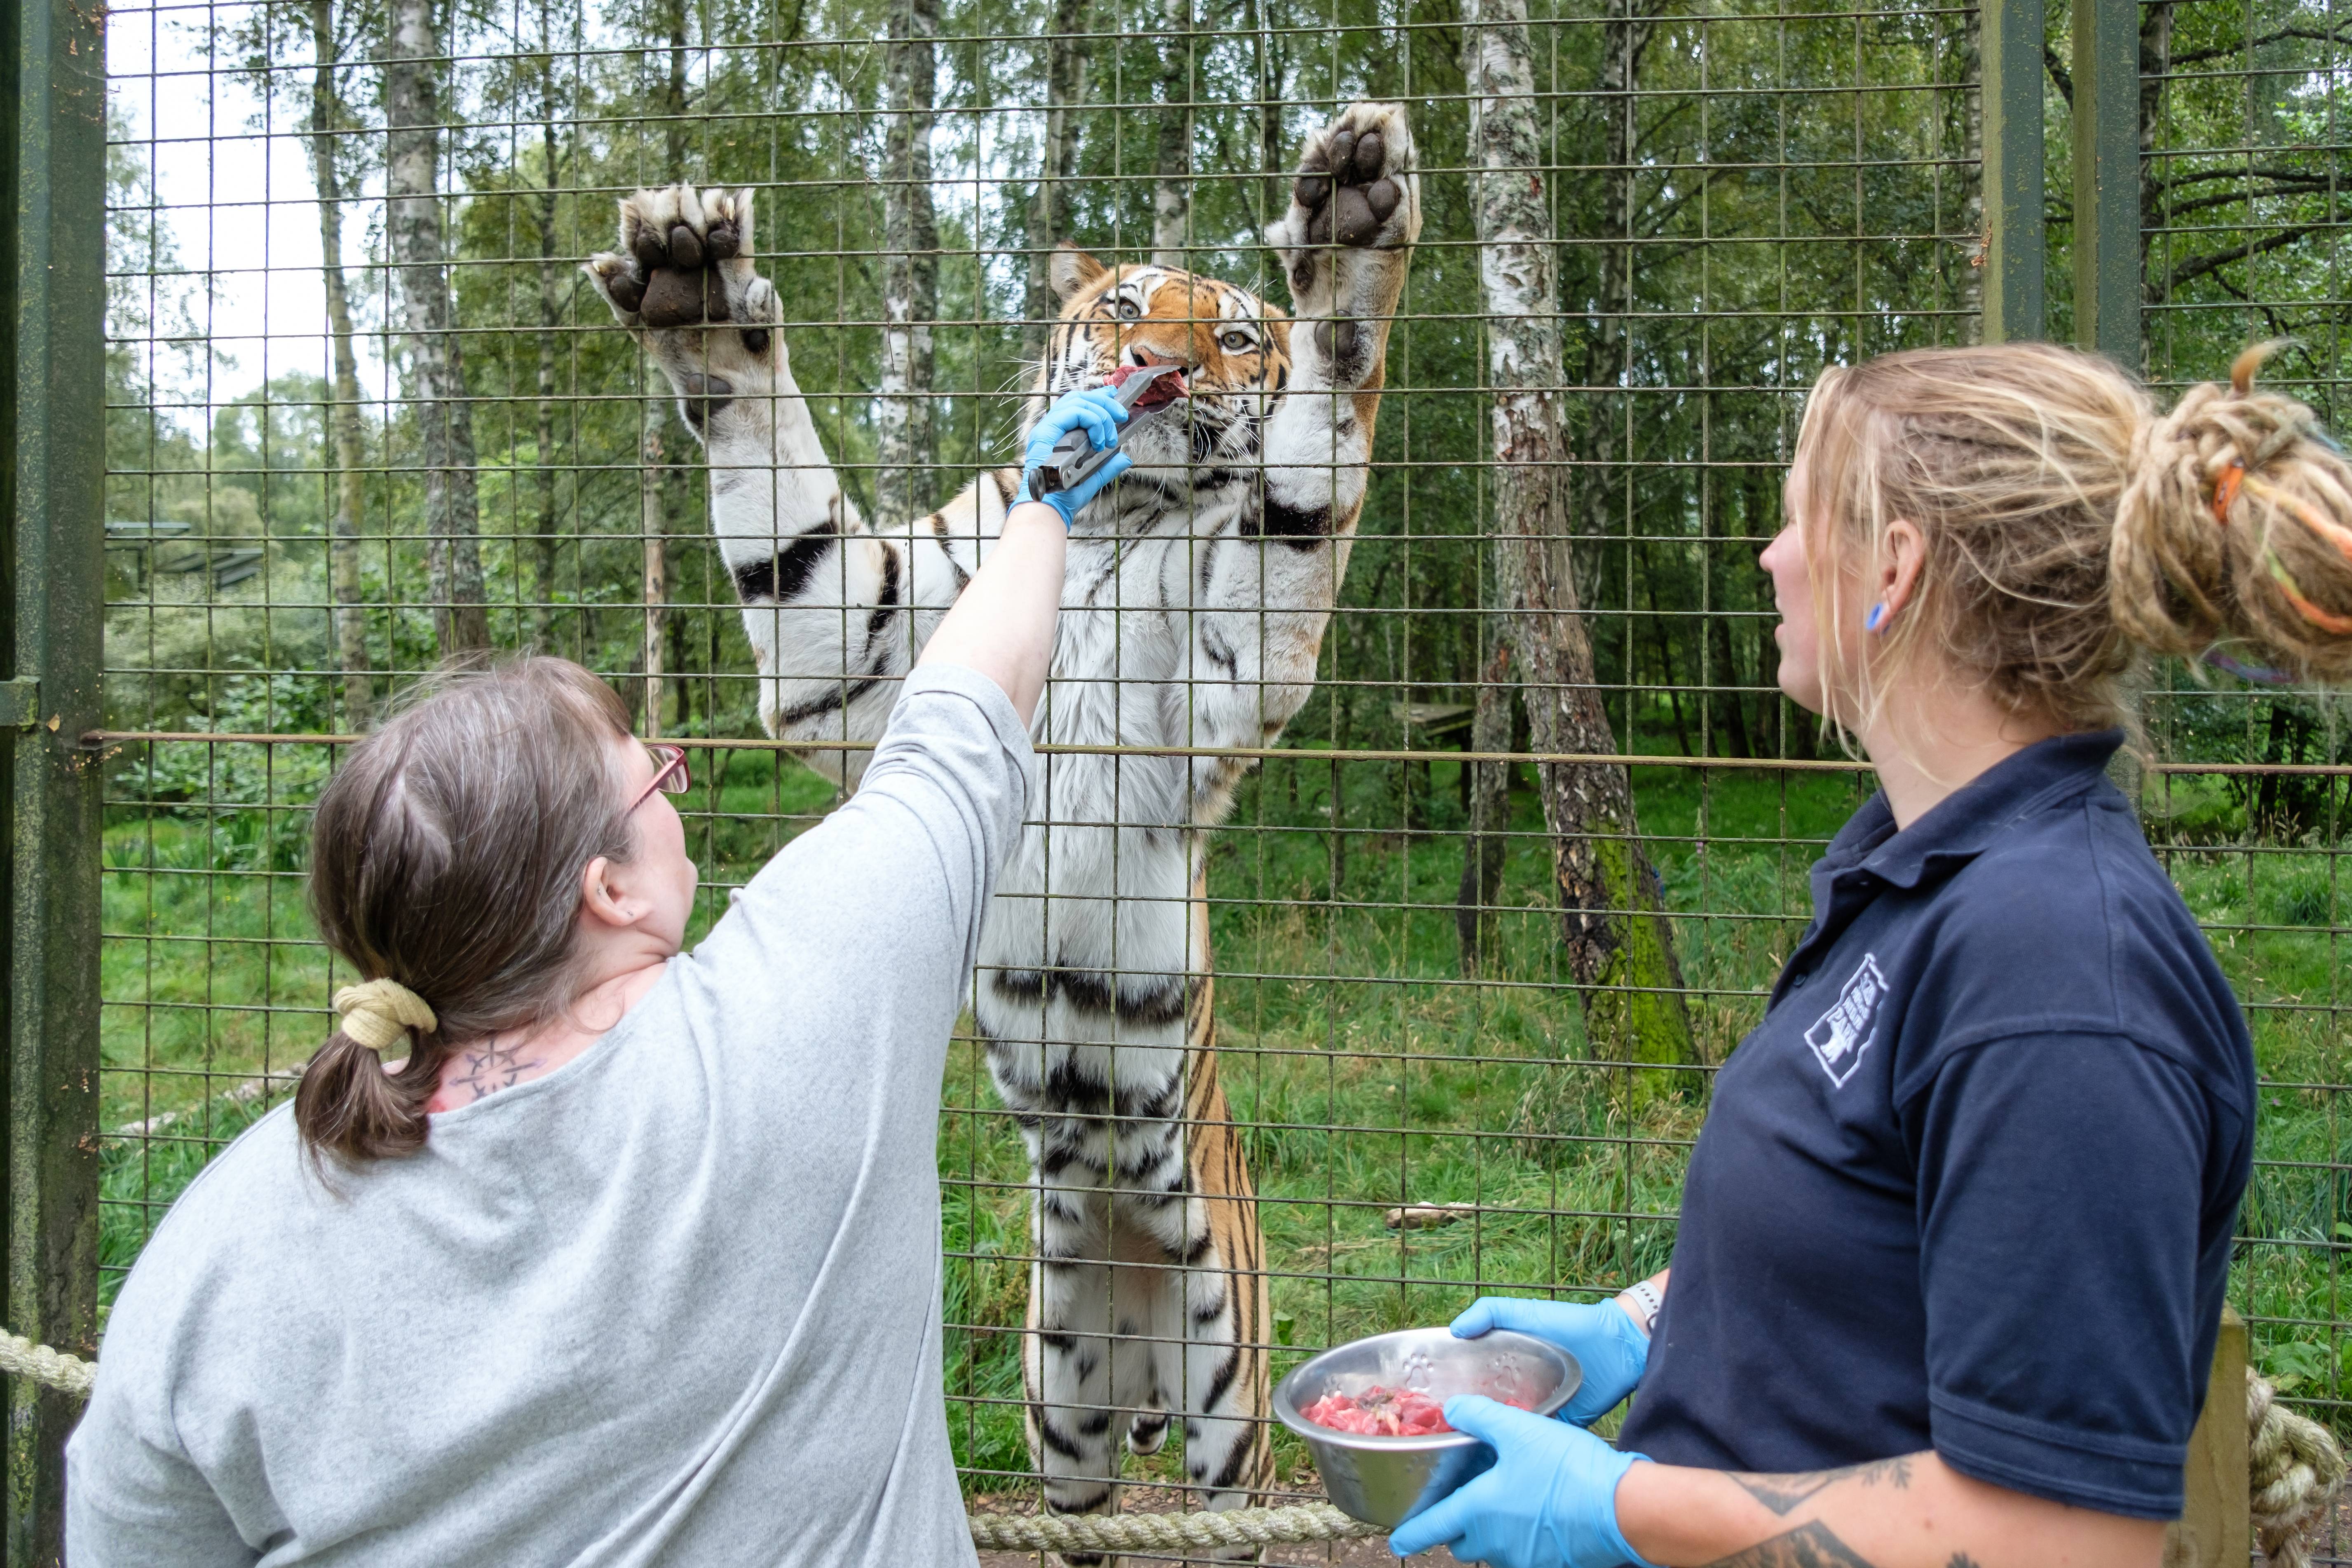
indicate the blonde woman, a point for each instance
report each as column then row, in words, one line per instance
column 1955, row 1237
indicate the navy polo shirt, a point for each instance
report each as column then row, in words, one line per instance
column 1970, row 1184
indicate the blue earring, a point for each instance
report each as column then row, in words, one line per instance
column 1876, row 619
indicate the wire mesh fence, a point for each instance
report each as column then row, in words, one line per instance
column 364, row 411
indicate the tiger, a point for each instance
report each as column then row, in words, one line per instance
column 1196, row 595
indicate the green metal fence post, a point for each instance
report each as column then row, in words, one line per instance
column 2106, row 179
column 52, row 479
column 2015, row 251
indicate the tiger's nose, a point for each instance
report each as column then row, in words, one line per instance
column 1143, row 357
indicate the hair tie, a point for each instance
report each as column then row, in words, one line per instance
column 2338, row 625
column 2259, row 674
column 2225, row 490
column 381, row 1013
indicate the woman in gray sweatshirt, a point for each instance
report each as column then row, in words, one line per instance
column 576, row 1247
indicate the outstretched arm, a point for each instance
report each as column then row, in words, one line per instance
column 1003, row 623
column 1003, row 626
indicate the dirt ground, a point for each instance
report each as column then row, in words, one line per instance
column 1369, row 1551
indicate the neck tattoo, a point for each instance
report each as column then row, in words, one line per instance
column 491, row 1067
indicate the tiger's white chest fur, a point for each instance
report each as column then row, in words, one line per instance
column 1085, row 954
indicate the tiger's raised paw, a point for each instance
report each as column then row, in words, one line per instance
column 685, row 286
column 1347, row 239
column 1358, row 184
column 685, row 261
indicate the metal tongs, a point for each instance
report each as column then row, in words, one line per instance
column 1075, row 457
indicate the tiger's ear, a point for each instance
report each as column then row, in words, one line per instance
column 1073, row 269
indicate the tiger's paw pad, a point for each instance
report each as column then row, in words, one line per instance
column 685, row 261
column 1356, row 184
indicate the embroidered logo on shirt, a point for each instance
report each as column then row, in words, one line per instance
column 1851, row 1028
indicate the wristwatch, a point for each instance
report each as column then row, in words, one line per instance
column 1651, row 1301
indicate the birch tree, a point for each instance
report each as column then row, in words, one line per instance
column 329, row 121
column 1619, row 942
column 554, row 291
column 1049, row 204
column 910, row 267
column 1477, row 926
column 413, row 221
column 1171, row 191
column 653, row 475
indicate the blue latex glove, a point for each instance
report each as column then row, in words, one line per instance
column 1094, row 410
column 1551, row 1502
column 1601, row 1337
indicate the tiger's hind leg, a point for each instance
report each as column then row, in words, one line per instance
column 1152, row 1383
column 1067, row 1360
column 1228, row 1452
column 1228, row 1391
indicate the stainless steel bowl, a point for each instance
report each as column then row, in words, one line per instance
column 1387, row 1480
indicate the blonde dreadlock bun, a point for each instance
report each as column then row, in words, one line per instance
column 2235, row 524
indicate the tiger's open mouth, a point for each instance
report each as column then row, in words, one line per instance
column 1160, row 393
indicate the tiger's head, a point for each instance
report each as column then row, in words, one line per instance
column 1233, row 347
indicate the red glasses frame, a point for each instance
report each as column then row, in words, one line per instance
column 670, row 775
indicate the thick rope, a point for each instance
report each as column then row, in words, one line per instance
column 1083, row 1532
column 2295, row 1473
column 20, row 1357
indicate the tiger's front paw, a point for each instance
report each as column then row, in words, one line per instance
column 1357, row 185
column 1355, row 213
column 685, row 261
column 683, row 283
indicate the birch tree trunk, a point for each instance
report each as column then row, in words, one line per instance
column 657, row 572
column 1049, row 204
column 1271, row 63
column 1730, row 671
column 1625, row 40
column 551, row 297
column 412, row 94
column 1971, row 291
column 1620, row 943
column 327, row 118
column 652, row 512
column 1475, row 924
column 2155, row 73
column 1172, row 197
column 910, row 267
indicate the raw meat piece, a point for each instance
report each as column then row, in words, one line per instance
column 1383, row 1413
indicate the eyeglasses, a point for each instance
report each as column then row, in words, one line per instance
column 670, row 776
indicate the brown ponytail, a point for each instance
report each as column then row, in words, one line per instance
column 445, row 854
column 2067, row 524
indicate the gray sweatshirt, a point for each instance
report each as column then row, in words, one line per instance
column 677, row 1301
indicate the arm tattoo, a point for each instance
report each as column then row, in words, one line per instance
column 1781, row 1493
column 1807, row 1546
column 492, row 1068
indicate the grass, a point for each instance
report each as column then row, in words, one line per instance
column 1365, row 1070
